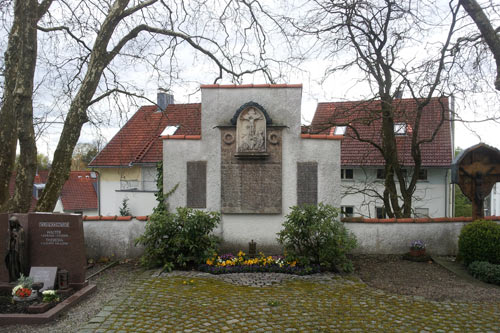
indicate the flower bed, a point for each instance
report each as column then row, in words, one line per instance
column 242, row 263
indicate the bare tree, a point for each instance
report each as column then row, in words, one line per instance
column 371, row 37
column 16, row 114
column 489, row 34
column 91, row 41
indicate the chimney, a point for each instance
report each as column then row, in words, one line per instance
column 163, row 100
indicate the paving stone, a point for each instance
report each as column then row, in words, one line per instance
column 316, row 303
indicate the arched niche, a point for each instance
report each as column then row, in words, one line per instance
column 251, row 131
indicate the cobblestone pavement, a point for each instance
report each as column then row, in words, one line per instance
column 197, row 302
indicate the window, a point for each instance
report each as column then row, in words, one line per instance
column 380, row 212
column 422, row 174
column 37, row 190
column 380, row 174
column 400, row 128
column 339, row 130
column 347, row 211
column 421, row 212
column 170, row 130
column 346, row 173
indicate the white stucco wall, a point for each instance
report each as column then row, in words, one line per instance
column 116, row 238
column 434, row 193
column 111, row 196
column 441, row 238
column 283, row 106
column 113, row 238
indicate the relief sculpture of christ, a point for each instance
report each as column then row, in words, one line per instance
column 251, row 131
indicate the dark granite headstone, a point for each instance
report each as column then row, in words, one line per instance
column 251, row 185
column 197, row 184
column 4, row 234
column 307, row 183
column 47, row 275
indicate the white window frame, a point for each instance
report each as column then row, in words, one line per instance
column 400, row 128
column 339, row 130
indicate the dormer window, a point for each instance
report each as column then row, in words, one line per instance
column 400, row 128
column 339, row 130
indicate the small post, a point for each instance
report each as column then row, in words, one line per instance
column 252, row 249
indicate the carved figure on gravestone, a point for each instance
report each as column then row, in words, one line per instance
column 251, row 130
column 15, row 260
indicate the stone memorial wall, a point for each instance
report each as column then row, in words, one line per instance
column 251, row 185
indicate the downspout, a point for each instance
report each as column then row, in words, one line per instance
column 98, row 192
column 446, row 194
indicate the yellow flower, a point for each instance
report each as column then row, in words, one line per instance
column 210, row 262
column 293, row 263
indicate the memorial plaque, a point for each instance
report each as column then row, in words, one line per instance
column 197, row 184
column 56, row 240
column 251, row 186
column 47, row 275
column 307, row 183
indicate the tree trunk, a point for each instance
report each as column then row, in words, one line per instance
column 8, row 122
column 20, row 67
column 77, row 115
column 23, row 97
column 487, row 32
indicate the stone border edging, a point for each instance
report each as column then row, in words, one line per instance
column 41, row 318
column 416, row 220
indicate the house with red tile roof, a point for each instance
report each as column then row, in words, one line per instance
column 362, row 171
column 78, row 195
column 127, row 165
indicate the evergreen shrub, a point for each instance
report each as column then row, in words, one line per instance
column 480, row 241
column 314, row 235
column 182, row 239
column 484, row 271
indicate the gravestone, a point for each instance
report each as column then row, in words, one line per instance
column 476, row 170
column 53, row 240
column 47, row 275
column 251, row 157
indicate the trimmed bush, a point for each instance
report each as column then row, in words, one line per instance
column 480, row 241
column 313, row 235
column 485, row 271
column 182, row 239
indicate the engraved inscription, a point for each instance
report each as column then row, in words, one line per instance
column 197, row 184
column 54, row 236
column 251, row 186
column 307, row 183
column 251, row 131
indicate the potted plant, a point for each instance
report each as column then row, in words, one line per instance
column 417, row 248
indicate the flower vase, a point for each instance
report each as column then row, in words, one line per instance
column 417, row 252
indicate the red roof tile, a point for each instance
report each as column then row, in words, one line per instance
column 139, row 140
column 79, row 192
column 366, row 119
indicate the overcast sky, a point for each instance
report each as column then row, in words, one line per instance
column 194, row 71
